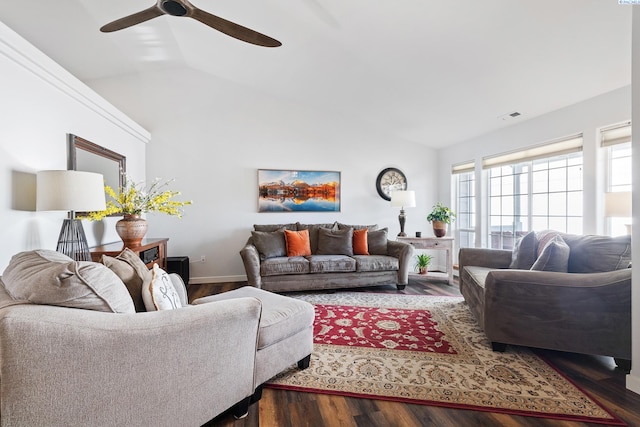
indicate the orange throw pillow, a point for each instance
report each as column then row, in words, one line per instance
column 360, row 242
column 297, row 243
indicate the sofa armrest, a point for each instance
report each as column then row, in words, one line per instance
column 74, row 367
column 580, row 312
column 404, row 252
column 483, row 257
column 251, row 259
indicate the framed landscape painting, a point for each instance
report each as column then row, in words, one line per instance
column 298, row 191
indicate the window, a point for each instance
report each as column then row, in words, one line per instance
column 465, row 183
column 535, row 189
column 616, row 141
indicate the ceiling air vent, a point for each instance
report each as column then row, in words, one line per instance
column 509, row 116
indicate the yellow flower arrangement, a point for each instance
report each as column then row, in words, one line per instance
column 134, row 199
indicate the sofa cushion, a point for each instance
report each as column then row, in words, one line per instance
column 133, row 273
column 274, row 227
column 377, row 241
column 331, row 263
column 594, row 254
column 159, row 293
column 297, row 243
column 524, row 252
column 270, row 244
column 284, row 265
column 335, row 242
column 372, row 227
column 543, row 237
column 313, row 233
column 554, row 256
column 51, row 278
column 376, row 263
column 360, row 242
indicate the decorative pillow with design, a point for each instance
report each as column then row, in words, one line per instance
column 360, row 242
column 335, row 242
column 50, row 278
column 524, row 252
column 270, row 244
column 160, row 294
column 132, row 271
column 377, row 241
column 554, row 256
column 297, row 243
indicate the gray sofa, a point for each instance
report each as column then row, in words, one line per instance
column 331, row 263
column 554, row 291
column 89, row 359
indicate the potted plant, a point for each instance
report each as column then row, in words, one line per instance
column 422, row 262
column 440, row 216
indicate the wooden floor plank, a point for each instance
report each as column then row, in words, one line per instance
column 595, row 375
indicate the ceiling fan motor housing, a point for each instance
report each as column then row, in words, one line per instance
column 174, row 8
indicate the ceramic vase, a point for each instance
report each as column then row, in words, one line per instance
column 439, row 228
column 131, row 229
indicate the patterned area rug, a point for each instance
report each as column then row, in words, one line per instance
column 429, row 350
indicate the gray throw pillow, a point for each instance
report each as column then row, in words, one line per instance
column 274, row 227
column 342, row 226
column 377, row 241
column 524, row 252
column 313, row 233
column 51, row 278
column 335, row 242
column 132, row 271
column 554, row 256
column 270, row 244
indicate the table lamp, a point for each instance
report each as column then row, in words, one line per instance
column 403, row 199
column 617, row 204
column 69, row 190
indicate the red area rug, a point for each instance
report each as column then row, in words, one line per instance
column 429, row 350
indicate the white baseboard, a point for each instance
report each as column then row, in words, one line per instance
column 633, row 382
column 216, row 279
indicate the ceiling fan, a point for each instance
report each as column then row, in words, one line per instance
column 184, row 8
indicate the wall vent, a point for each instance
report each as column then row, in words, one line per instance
column 509, row 116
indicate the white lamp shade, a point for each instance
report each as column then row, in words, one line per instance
column 403, row 199
column 68, row 190
column 617, row 204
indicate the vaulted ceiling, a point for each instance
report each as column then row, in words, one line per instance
column 430, row 71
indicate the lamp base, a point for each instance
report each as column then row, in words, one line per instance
column 402, row 218
column 72, row 241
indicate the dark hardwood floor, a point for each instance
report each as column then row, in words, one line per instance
column 598, row 376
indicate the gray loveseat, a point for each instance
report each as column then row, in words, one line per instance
column 553, row 291
column 331, row 263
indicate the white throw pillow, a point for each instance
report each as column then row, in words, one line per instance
column 159, row 293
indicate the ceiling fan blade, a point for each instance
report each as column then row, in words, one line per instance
column 136, row 18
column 232, row 29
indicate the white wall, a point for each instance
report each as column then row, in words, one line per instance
column 212, row 136
column 39, row 104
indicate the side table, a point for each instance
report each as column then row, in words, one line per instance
column 436, row 243
column 150, row 251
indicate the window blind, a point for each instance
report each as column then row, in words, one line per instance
column 617, row 134
column 463, row 167
column 572, row 144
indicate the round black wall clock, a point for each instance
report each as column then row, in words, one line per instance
column 389, row 180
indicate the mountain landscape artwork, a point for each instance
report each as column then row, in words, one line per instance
column 298, row 191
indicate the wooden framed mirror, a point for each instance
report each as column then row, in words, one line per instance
column 87, row 156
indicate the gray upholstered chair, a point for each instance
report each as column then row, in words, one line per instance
column 62, row 366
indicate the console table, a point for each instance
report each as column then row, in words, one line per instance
column 150, row 251
column 435, row 243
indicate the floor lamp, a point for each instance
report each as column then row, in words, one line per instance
column 68, row 190
column 403, row 199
